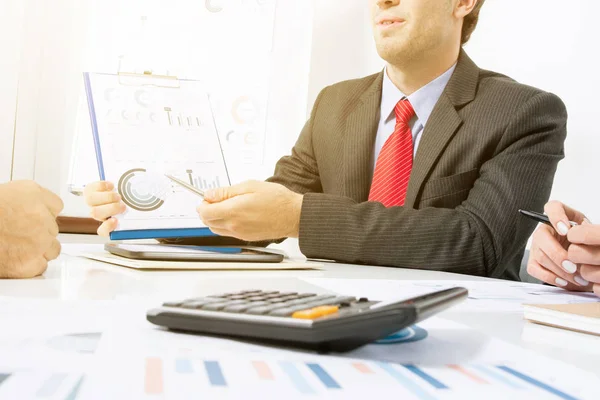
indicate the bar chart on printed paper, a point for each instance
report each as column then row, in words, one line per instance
column 341, row 378
column 201, row 182
column 24, row 385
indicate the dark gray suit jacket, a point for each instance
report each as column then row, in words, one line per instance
column 490, row 147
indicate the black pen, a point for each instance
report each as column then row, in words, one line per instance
column 543, row 218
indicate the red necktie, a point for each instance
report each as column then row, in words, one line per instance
column 394, row 164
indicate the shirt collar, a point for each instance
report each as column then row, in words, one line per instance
column 423, row 100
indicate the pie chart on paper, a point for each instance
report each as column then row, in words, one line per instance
column 140, row 191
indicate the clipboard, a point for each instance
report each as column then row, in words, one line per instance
column 166, row 88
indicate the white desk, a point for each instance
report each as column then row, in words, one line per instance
column 76, row 278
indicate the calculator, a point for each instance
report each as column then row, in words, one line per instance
column 320, row 322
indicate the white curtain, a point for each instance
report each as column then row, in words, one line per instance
column 11, row 32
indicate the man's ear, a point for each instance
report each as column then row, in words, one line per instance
column 464, row 8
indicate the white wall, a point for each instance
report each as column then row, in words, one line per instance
column 550, row 44
column 545, row 43
column 553, row 45
column 343, row 46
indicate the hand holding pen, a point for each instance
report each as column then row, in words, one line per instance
column 566, row 249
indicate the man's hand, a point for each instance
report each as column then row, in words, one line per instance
column 252, row 211
column 566, row 256
column 28, row 229
column 105, row 203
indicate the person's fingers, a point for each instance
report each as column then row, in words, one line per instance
column 54, row 251
column 216, row 195
column 556, row 209
column 101, row 186
column 221, row 232
column 550, row 246
column 97, row 187
column 218, row 224
column 225, row 193
column 102, row 213
column 32, row 268
column 585, row 234
column 38, row 267
column 54, row 203
column 590, row 273
column 214, row 212
column 107, row 227
column 96, row 199
column 539, row 272
column 597, row 289
column 53, row 227
column 543, row 260
column 575, row 215
column 583, row 254
column 558, row 217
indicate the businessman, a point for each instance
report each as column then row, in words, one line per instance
column 423, row 165
column 28, row 229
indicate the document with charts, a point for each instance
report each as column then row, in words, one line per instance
column 145, row 127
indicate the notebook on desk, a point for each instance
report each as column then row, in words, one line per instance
column 583, row 318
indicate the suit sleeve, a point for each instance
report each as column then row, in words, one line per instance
column 479, row 237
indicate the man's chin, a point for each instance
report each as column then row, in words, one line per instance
column 392, row 54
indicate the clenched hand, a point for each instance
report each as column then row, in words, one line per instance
column 28, row 229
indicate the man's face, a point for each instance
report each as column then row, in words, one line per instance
column 409, row 29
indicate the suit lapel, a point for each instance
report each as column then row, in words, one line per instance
column 442, row 125
column 359, row 139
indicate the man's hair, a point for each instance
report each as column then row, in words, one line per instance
column 470, row 22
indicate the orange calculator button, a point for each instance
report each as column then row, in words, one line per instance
column 316, row 312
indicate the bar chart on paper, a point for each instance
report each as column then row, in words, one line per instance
column 201, row 182
column 242, row 377
column 24, row 385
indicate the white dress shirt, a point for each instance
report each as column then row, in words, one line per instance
column 423, row 101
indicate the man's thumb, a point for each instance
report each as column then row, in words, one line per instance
column 217, row 195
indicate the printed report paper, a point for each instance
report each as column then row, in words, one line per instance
column 145, row 128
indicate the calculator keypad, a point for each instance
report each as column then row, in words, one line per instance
column 276, row 304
